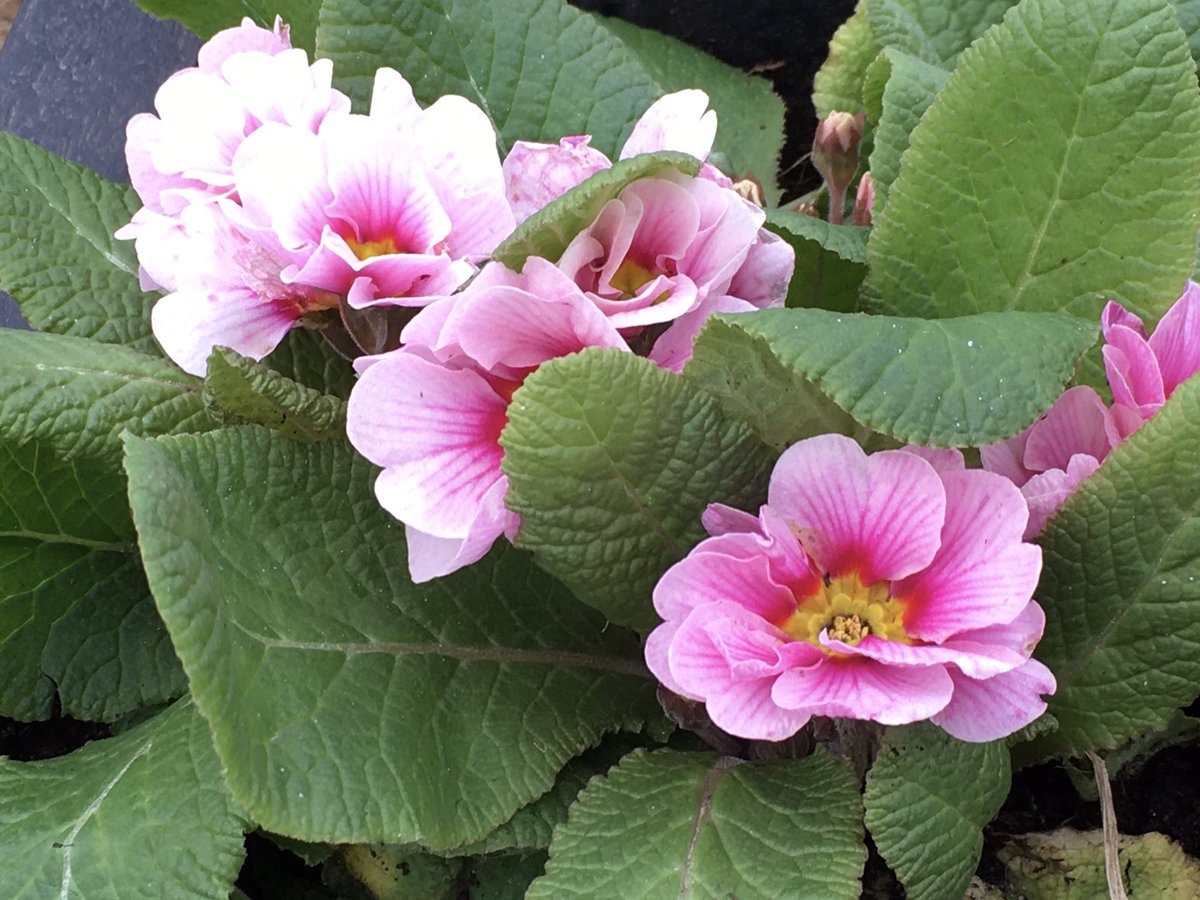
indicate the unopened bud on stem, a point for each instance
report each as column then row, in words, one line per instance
column 864, row 202
column 835, row 154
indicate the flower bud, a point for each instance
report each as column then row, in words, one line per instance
column 835, row 155
column 864, row 201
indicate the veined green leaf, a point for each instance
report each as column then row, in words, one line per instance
column 610, row 462
column 347, row 704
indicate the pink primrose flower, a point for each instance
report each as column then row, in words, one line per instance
column 431, row 412
column 246, row 77
column 536, row 174
column 1052, row 457
column 392, row 208
column 1143, row 372
column 869, row 587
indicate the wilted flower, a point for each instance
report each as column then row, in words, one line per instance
column 869, row 587
column 1144, row 372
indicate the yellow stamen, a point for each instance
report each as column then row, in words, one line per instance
column 366, row 249
column 848, row 611
column 630, row 278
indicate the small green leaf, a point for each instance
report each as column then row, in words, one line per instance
column 207, row 18
column 939, row 383
column 1058, row 168
column 239, row 390
column 548, row 231
column 142, row 814
column 928, row 797
column 610, row 462
column 306, row 357
column 696, row 825
column 831, row 260
column 749, row 112
column 838, row 84
column 76, row 616
column 1121, row 588
column 58, row 256
column 905, row 87
column 347, row 704
column 935, row 31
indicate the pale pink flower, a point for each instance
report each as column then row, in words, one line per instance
column 1144, row 372
column 536, row 174
column 431, row 412
column 869, row 587
column 393, row 208
column 246, row 77
column 1052, row 457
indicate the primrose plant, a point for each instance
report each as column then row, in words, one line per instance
column 733, row 528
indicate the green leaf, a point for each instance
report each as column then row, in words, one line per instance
column 831, row 260
column 1121, row 588
column 610, row 462
column 749, row 382
column 144, row 814
column 239, row 390
column 531, row 827
column 899, row 89
column 306, row 357
column 939, row 383
column 542, row 70
column 548, row 231
column 58, row 256
column 749, row 112
column 935, row 31
column 505, row 876
column 1189, row 20
column 347, row 704
column 76, row 616
column 697, row 825
column 928, row 797
column 838, row 84
column 77, row 396
column 207, row 18
column 1057, row 168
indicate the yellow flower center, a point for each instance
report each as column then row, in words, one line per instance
column 848, row 611
column 366, row 249
column 630, row 278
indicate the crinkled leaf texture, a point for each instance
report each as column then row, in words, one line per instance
column 1121, row 588
column 78, row 396
column 611, row 462
column 549, row 231
column 239, row 390
column 933, row 30
column 671, row 824
column 209, row 17
column 306, row 357
column 941, row 383
column 838, row 83
column 76, row 616
column 898, row 90
column 831, row 260
column 1057, row 168
column 58, row 257
column 348, row 704
column 928, row 797
column 542, row 69
column 141, row 815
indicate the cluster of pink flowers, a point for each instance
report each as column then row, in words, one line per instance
column 268, row 202
column 266, row 199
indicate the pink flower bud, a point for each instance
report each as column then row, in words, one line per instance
column 864, row 201
column 835, row 154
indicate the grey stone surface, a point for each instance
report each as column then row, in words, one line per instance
column 73, row 72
